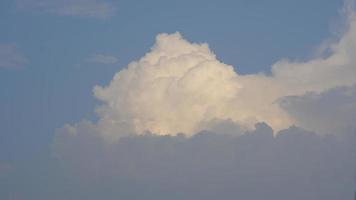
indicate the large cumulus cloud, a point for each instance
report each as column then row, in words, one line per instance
column 172, row 89
column 179, row 86
column 180, row 124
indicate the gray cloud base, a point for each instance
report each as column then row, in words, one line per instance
column 328, row 112
column 294, row 164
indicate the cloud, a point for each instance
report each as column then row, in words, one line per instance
column 83, row 8
column 328, row 112
column 179, row 86
column 11, row 57
column 180, row 124
column 319, row 74
column 172, row 89
column 102, row 59
column 293, row 164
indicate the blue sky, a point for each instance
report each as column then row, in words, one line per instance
column 55, row 85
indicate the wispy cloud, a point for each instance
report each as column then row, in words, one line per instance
column 102, row 59
column 11, row 57
column 83, row 8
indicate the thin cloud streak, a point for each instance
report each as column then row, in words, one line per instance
column 102, row 59
column 82, row 8
column 11, row 57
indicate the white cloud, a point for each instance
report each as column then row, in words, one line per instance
column 84, row 8
column 102, row 59
column 320, row 73
column 11, row 57
column 171, row 89
column 179, row 86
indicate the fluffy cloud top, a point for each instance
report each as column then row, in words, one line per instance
column 179, row 86
column 173, row 88
column 84, row 8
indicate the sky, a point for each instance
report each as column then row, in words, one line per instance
column 182, row 99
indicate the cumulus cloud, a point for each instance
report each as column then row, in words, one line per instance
column 179, row 86
column 102, row 59
column 172, row 89
column 84, row 8
column 319, row 74
column 183, row 125
column 11, row 57
column 328, row 112
column 293, row 164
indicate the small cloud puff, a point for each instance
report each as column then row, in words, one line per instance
column 102, row 59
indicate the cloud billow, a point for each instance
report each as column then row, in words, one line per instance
column 179, row 86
